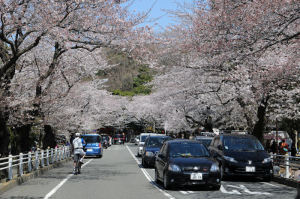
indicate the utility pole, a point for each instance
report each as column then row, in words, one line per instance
column 276, row 137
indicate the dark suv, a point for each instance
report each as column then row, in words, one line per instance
column 241, row 155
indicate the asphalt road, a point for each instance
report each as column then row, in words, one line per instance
column 119, row 174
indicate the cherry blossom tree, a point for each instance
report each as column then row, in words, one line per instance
column 251, row 44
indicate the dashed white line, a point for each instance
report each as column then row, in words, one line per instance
column 55, row 189
column 149, row 178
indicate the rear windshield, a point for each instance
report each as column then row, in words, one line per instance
column 206, row 142
column 188, row 149
column 92, row 139
column 242, row 144
column 156, row 141
column 143, row 138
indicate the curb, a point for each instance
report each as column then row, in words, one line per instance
column 25, row 177
column 285, row 181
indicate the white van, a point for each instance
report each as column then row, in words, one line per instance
column 143, row 137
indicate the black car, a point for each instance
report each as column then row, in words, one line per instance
column 151, row 148
column 206, row 140
column 241, row 155
column 186, row 162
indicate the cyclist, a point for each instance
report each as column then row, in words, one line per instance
column 78, row 151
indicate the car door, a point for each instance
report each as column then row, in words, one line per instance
column 161, row 160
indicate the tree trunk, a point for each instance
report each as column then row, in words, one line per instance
column 259, row 127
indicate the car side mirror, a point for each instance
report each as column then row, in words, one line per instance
column 220, row 147
column 161, row 156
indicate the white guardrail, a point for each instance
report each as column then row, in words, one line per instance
column 287, row 162
column 33, row 160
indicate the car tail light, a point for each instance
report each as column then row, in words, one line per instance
column 100, row 145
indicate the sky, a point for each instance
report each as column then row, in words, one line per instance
column 158, row 10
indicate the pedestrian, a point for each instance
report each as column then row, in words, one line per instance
column 274, row 147
column 293, row 149
column 284, row 147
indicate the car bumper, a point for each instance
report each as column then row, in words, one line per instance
column 239, row 169
column 93, row 152
column 184, row 178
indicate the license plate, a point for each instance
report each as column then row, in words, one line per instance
column 90, row 150
column 196, row 176
column 250, row 169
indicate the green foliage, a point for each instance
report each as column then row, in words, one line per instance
column 127, row 77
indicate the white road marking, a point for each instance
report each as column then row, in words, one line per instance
column 273, row 185
column 183, row 192
column 255, row 192
column 223, row 190
column 55, row 189
column 149, row 178
column 246, row 190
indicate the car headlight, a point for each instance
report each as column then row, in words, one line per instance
column 267, row 160
column 214, row 168
column 174, row 168
column 149, row 153
column 230, row 159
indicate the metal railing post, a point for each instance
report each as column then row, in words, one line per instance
column 52, row 157
column 55, row 154
column 60, row 153
column 47, row 157
column 287, row 166
column 29, row 162
column 42, row 158
column 63, row 152
column 36, row 160
column 21, row 164
column 10, row 171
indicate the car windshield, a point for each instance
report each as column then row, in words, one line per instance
column 242, row 144
column 188, row 149
column 91, row 139
column 156, row 141
column 143, row 138
column 206, row 142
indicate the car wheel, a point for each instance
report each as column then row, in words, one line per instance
column 156, row 176
column 166, row 182
column 267, row 179
column 216, row 187
column 145, row 165
column 222, row 172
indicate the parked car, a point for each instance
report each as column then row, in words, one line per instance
column 241, row 155
column 151, row 147
column 206, row 140
column 186, row 162
column 93, row 145
column 141, row 143
column 137, row 140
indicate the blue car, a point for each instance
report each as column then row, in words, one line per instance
column 151, row 147
column 93, row 145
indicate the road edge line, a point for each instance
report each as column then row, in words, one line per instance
column 148, row 177
column 57, row 187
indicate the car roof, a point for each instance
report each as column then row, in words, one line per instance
column 238, row 136
column 178, row 141
column 154, row 136
column 148, row 134
column 204, row 137
column 90, row 135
